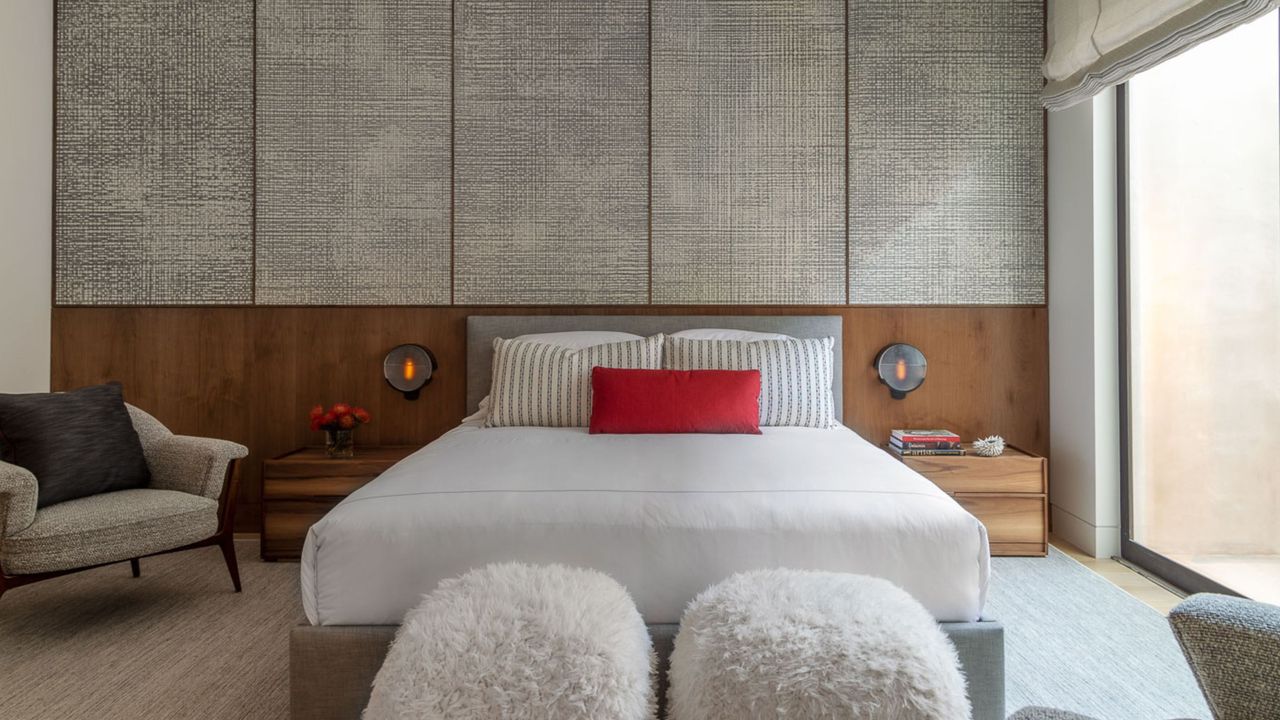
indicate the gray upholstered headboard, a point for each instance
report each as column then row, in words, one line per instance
column 482, row 329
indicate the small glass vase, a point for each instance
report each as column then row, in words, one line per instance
column 339, row 444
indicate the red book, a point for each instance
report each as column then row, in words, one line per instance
column 907, row 436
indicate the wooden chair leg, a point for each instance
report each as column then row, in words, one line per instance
column 136, row 567
column 228, row 545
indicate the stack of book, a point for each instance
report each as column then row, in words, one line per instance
column 925, row 442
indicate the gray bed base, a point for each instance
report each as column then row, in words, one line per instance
column 331, row 668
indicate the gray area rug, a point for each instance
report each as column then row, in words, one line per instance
column 1075, row 641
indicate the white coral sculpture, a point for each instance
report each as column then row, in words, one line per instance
column 992, row 446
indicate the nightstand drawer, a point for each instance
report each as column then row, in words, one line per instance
column 285, row 524
column 1013, row 472
column 1015, row 523
column 309, row 488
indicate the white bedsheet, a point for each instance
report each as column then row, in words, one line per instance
column 665, row 515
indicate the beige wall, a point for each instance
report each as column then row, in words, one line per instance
column 26, row 142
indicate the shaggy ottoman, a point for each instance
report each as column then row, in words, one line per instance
column 519, row 642
column 805, row 645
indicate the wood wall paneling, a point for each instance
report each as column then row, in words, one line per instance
column 249, row 374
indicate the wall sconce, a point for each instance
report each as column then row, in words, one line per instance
column 902, row 367
column 408, row 368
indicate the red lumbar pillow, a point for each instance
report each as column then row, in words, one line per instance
column 675, row 401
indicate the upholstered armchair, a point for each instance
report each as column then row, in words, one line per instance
column 190, row 503
column 1232, row 646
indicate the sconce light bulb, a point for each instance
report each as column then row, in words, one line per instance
column 409, row 370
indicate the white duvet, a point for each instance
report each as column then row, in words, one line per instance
column 665, row 515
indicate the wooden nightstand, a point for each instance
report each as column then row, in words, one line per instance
column 1009, row 494
column 298, row 488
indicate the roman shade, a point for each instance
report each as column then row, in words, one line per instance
column 1094, row 44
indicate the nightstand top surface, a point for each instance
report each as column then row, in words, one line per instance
column 364, row 453
column 1010, row 451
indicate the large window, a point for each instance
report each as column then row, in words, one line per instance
column 1201, row 223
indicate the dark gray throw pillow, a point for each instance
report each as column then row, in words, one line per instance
column 77, row 443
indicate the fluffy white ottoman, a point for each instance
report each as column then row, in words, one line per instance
column 519, row 642
column 804, row 645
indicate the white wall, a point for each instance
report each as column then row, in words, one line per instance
column 26, row 151
column 1084, row 433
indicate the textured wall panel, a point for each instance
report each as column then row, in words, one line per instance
column 946, row 152
column 551, row 176
column 353, row 152
column 748, row 145
column 154, row 152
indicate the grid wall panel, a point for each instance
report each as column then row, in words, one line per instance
column 153, row 157
column 946, row 152
column 551, row 175
column 353, row 152
column 748, row 151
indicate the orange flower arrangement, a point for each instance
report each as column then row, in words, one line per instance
column 342, row 416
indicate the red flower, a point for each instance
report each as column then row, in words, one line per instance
column 341, row 416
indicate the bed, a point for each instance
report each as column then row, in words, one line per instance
column 665, row 515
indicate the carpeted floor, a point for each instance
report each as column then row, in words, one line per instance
column 177, row 643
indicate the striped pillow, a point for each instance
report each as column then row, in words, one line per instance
column 795, row 374
column 546, row 385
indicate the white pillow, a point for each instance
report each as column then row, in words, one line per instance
column 572, row 339
column 723, row 334
column 795, row 374
column 544, row 385
column 578, row 339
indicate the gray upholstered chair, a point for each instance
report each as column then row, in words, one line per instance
column 1232, row 646
column 189, row 504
